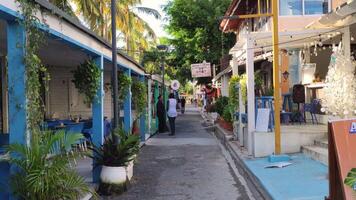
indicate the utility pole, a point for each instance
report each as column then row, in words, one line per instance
column 276, row 79
column 114, row 64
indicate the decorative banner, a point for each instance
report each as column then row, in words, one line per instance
column 175, row 85
column 201, row 70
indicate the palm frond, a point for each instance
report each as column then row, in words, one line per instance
column 148, row 11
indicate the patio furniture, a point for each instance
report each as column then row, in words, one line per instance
column 287, row 101
column 77, row 128
column 312, row 109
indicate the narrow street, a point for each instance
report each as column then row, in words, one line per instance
column 190, row 165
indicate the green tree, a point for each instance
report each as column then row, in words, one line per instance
column 134, row 30
column 194, row 26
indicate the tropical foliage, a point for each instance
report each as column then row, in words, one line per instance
column 123, row 86
column 139, row 96
column 221, row 102
column 194, row 27
column 351, row 178
column 44, row 169
column 135, row 31
column 234, row 92
column 87, row 80
column 115, row 154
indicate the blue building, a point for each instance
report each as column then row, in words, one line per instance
column 67, row 44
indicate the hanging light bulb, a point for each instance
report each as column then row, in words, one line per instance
column 352, row 38
column 324, row 47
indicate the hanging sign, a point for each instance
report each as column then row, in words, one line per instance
column 201, row 70
column 175, row 85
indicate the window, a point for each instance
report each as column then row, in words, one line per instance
column 291, row 7
column 303, row 7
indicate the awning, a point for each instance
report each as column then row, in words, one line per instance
column 343, row 15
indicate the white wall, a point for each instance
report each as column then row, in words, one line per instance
column 63, row 99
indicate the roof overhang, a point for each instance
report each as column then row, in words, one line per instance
column 344, row 15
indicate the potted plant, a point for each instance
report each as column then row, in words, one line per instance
column 226, row 121
column 87, row 80
column 116, row 160
column 44, row 168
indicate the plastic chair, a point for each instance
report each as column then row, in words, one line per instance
column 312, row 109
column 77, row 128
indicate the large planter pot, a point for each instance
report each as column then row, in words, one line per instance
column 129, row 170
column 113, row 175
column 226, row 125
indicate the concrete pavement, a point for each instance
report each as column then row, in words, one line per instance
column 190, row 165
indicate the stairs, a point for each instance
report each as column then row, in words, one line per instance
column 318, row 151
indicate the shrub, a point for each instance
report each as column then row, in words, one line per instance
column 234, row 92
column 227, row 114
column 221, row 102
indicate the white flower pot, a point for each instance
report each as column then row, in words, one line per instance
column 129, row 170
column 113, row 175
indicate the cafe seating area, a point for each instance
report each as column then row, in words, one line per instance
column 70, row 126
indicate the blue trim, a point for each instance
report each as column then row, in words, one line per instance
column 143, row 118
column 98, row 116
column 128, row 108
column 8, row 14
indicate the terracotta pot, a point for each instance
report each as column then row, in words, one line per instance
column 226, row 125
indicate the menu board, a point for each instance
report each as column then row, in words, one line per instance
column 342, row 157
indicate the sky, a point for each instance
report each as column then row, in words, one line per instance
column 156, row 25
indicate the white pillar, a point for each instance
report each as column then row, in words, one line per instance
column 346, row 41
column 235, row 66
column 250, row 93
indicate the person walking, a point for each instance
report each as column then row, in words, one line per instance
column 161, row 115
column 172, row 113
column 182, row 102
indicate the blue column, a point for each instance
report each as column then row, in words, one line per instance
column 17, row 92
column 143, row 118
column 98, row 115
column 127, row 108
column 17, row 83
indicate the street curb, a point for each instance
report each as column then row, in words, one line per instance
column 257, row 189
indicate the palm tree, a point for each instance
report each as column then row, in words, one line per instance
column 97, row 15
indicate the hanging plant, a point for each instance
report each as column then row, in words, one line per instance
column 33, row 63
column 123, row 87
column 139, row 96
column 87, row 80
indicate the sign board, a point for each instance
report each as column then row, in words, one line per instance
column 342, row 158
column 201, row 70
column 175, row 85
column 262, row 121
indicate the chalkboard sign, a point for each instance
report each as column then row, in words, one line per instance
column 263, row 117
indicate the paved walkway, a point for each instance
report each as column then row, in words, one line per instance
column 190, row 165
